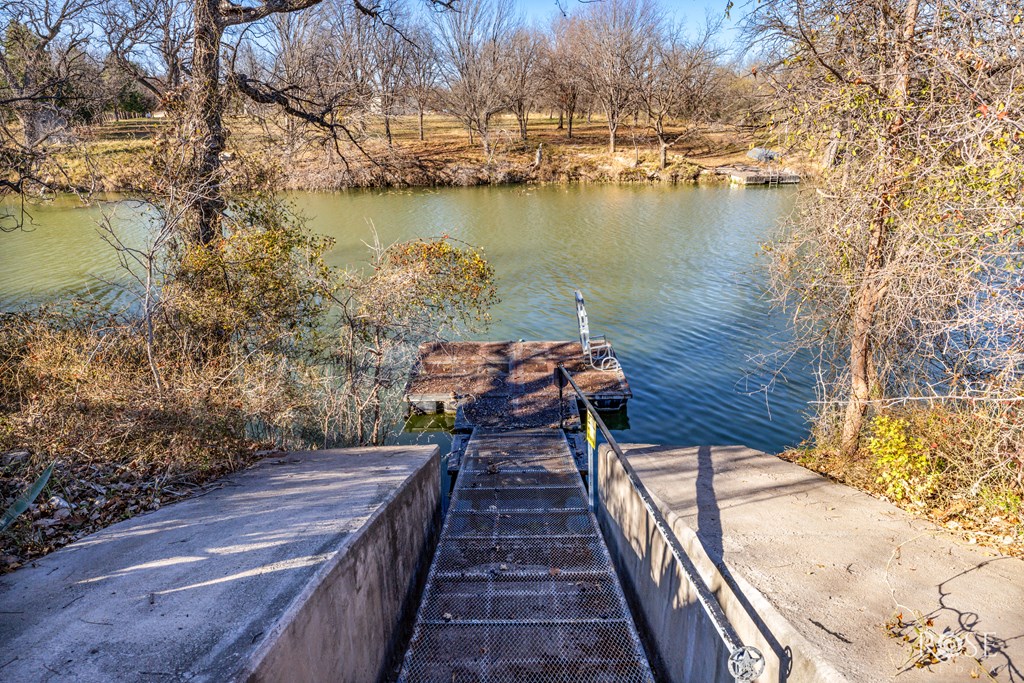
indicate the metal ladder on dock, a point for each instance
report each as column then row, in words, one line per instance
column 521, row 587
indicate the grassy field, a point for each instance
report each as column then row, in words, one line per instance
column 116, row 156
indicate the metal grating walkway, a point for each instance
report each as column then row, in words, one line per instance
column 522, row 588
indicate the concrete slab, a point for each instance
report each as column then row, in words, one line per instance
column 298, row 569
column 820, row 568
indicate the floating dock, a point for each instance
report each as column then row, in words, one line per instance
column 522, row 587
column 508, row 384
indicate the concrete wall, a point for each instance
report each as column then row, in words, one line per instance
column 302, row 568
column 686, row 646
column 350, row 621
column 812, row 572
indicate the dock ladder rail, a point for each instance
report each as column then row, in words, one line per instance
column 746, row 662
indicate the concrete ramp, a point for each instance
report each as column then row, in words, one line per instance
column 823, row 578
column 299, row 569
column 522, row 588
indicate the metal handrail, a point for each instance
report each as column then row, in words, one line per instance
column 745, row 661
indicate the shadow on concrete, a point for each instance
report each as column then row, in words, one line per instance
column 647, row 568
column 709, row 532
column 989, row 648
column 800, row 536
column 210, row 575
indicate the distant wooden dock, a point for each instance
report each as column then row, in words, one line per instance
column 742, row 174
column 508, row 385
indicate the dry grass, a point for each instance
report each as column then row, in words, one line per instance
column 256, row 344
column 116, row 156
column 971, row 478
column 75, row 389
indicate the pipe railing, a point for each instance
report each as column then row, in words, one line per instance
column 745, row 661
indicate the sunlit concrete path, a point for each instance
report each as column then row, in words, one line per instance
column 815, row 573
column 299, row 569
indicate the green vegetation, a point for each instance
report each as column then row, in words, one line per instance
column 26, row 499
column 247, row 345
column 903, row 269
column 903, row 462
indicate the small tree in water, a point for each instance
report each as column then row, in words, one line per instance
column 416, row 291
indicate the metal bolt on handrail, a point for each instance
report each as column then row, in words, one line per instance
column 745, row 661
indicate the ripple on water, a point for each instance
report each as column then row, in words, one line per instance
column 670, row 275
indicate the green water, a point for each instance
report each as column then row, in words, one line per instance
column 671, row 274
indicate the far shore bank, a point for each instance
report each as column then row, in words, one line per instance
column 118, row 157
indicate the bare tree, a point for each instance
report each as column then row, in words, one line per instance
column 44, row 44
column 677, row 79
column 421, row 71
column 616, row 37
column 292, row 54
column 47, row 78
column 561, row 68
column 150, row 39
column 390, row 55
column 204, row 117
column 522, row 85
column 904, row 263
column 472, row 44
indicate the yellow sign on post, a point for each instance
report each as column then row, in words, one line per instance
column 592, row 460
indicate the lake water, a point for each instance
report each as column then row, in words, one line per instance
column 671, row 275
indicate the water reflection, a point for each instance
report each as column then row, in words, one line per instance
column 671, row 276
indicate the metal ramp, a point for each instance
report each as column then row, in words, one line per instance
column 522, row 587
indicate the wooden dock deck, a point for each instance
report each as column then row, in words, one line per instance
column 522, row 588
column 508, row 385
column 742, row 174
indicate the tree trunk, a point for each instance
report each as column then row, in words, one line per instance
column 32, row 125
column 866, row 303
column 860, row 388
column 561, row 119
column 571, row 115
column 421, row 123
column 387, row 129
column 662, row 153
column 485, row 135
column 612, row 130
column 173, row 74
column 207, row 126
column 862, row 372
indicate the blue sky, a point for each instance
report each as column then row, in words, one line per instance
column 689, row 11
